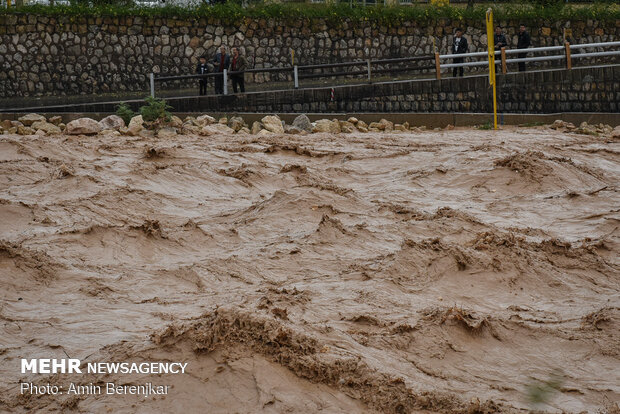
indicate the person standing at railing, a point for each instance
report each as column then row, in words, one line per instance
column 459, row 46
column 499, row 40
column 221, row 61
column 523, row 43
column 202, row 69
column 238, row 64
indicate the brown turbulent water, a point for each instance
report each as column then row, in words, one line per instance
column 449, row 271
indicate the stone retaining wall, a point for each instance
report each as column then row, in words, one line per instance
column 65, row 55
column 592, row 89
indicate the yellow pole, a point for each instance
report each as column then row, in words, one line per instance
column 490, row 41
column 292, row 57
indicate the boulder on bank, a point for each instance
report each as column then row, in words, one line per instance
column 236, row 123
column 216, row 129
column 135, row 126
column 325, row 125
column 303, row 122
column 56, row 120
column 46, row 127
column 114, row 122
column 273, row 124
column 204, row 120
column 256, row 127
column 83, row 126
column 30, row 119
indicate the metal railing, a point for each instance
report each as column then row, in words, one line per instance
column 566, row 55
column 371, row 67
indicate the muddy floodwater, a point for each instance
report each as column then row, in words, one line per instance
column 456, row 271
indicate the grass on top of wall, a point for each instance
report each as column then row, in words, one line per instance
column 233, row 12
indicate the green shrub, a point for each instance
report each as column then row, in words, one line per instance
column 155, row 111
column 233, row 12
column 124, row 111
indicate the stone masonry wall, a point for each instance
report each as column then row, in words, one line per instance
column 577, row 90
column 64, row 55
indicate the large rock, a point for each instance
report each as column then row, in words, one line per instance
column 303, row 122
column 236, row 123
column 256, row 127
column 114, row 122
column 325, row 125
column 25, row 130
column 189, row 128
column 204, row 120
column 346, row 127
column 46, row 127
column 273, row 124
column 83, row 126
column 558, row 124
column 135, row 125
column 387, row 125
column 216, row 129
column 30, row 119
column 616, row 133
column 400, row 127
column 56, row 120
column 291, row 129
column 176, row 122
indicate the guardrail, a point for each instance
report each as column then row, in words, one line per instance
column 436, row 59
column 566, row 55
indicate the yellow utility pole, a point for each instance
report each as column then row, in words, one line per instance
column 490, row 41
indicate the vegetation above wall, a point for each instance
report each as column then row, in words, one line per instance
column 233, row 12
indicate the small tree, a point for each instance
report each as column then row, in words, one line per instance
column 124, row 111
column 155, row 112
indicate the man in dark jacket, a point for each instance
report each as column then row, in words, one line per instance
column 523, row 43
column 499, row 40
column 238, row 64
column 459, row 46
column 202, row 69
column 221, row 61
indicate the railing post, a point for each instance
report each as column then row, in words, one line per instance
column 296, row 76
column 437, row 66
column 368, row 68
column 569, row 63
column 504, row 68
column 152, row 82
column 225, row 74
